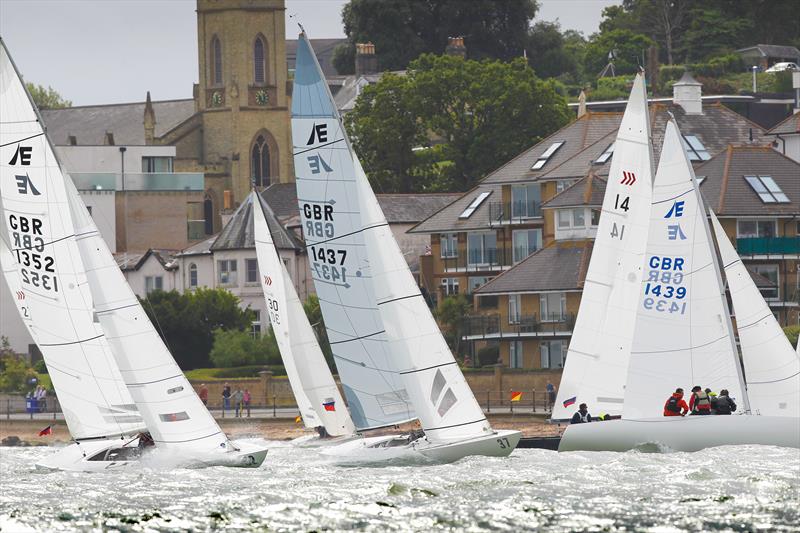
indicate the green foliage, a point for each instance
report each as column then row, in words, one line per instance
column 14, row 374
column 403, row 29
column 234, row 348
column 47, row 98
column 450, row 314
column 344, row 59
column 489, row 355
column 548, row 53
column 211, row 374
column 792, row 333
column 40, row 367
column 187, row 321
column 629, row 50
column 480, row 113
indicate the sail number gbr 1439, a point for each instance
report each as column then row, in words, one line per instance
column 36, row 267
column 663, row 289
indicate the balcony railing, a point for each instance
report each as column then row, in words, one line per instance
column 514, row 212
column 139, row 181
column 768, row 245
column 486, row 259
column 492, row 326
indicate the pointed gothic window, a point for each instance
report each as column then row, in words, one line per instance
column 216, row 56
column 258, row 60
column 259, row 162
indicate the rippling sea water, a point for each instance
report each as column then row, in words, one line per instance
column 743, row 488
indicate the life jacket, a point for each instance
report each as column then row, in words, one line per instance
column 584, row 417
column 672, row 404
column 701, row 401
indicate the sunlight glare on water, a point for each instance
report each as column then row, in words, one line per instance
column 743, row 488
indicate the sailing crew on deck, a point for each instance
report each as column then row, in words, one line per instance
column 724, row 404
column 700, row 402
column 676, row 405
column 582, row 415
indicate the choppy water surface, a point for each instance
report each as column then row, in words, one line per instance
column 729, row 488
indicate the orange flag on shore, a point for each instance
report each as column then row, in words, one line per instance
column 298, row 419
column 516, row 396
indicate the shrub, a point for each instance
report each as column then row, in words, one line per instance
column 489, row 355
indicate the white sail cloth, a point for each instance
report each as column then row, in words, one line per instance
column 599, row 351
column 333, row 232
column 312, row 383
column 43, row 269
column 683, row 335
column 171, row 409
column 772, row 367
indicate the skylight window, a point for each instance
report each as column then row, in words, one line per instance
column 542, row 160
column 766, row 189
column 474, row 204
column 700, row 180
column 605, row 156
column 695, row 149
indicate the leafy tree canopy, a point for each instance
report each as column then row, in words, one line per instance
column 234, row 348
column 47, row 98
column 403, row 29
column 626, row 47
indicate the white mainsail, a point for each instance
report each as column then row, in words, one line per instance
column 333, row 231
column 174, row 414
column 312, row 383
column 43, row 270
column 441, row 396
column 683, row 334
column 772, row 367
column 597, row 361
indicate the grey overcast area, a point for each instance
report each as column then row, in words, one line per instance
column 112, row 51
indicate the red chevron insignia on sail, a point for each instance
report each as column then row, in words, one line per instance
column 628, row 178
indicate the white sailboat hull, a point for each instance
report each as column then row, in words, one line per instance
column 315, row 441
column 682, row 434
column 397, row 448
column 76, row 457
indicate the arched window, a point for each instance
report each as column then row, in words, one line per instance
column 216, row 61
column 259, row 66
column 259, row 162
column 193, row 276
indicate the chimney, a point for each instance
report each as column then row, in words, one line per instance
column 455, row 47
column 581, row 104
column 686, row 92
column 366, row 60
column 149, row 121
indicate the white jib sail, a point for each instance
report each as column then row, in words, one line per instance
column 43, row 270
column 597, row 361
column 333, row 231
column 683, row 333
column 171, row 409
column 772, row 367
column 312, row 383
column 441, row 396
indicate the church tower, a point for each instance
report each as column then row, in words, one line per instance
column 241, row 97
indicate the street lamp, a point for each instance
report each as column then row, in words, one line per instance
column 122, row 160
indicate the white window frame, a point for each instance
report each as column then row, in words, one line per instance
column 546, row 355
column 449, row 250
column 450, row 286
column 255, row 325
column 153, row 283
column 544, row 306
column 514, row 308
column 758, row 222
column 224, row 270
column 248, row 262
column 527, row 188
column 193, row 276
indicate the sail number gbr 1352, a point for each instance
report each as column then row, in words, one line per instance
column 36, row 267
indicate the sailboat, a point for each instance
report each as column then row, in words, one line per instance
column 82, row 301
column 42, row 268
column 351, row 248
column 321, row 405
column 599, row 351
column 684, row 335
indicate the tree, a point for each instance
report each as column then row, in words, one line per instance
column 187, row 321
column 234, row 348
column 479, row 114
column 47, row 98
column 792, row 333
column 403, row 29
column 314, row 315
column 450, row 313
column 627, row 48
column 547, row 52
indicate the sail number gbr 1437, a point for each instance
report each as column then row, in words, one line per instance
column 328, row 263
column 36, row 267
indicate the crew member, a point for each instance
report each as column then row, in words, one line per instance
column 676, row 405
column 700, row 402
column 724, row 405
column 582, row 416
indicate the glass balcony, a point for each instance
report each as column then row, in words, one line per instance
column 768, row 245
column 139, row 181
column 478, row 260
column 492, row 327
column 514, row 212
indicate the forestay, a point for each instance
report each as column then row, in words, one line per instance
column 312, row 383
column 771, row 366
column 683, row 332
column 333, row 231
column 171, row 409
column 597, row 361
column 442, row 399
column 43, row 270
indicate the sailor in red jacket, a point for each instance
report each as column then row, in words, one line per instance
column 675, row 405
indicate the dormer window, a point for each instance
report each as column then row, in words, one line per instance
column 695, row 149
column 545, row 157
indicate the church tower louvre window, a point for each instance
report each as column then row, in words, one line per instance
column 259, row 62
column 216, row 64
column 260, row 163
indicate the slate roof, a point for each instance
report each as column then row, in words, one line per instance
column 589, row 192
column 788, row 126
column 323, row 48
column 447, row 219
column 89, row 124
column 200, row 248
column 345, row 98
column 238, row 232
column 728, row 194
column 772, row 50
column 559, row 267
